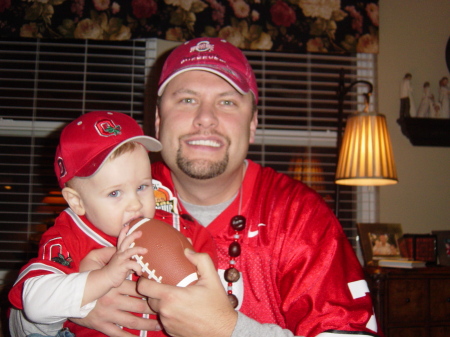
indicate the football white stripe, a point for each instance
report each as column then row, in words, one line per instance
column 137, row 225
column 188, row 280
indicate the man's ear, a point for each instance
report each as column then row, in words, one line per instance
column 74, row 200
column 253, row 126
column 157, row 121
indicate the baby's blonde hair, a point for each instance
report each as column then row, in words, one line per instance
column 122, row 149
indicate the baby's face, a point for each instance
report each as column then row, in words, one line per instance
column 119, row 192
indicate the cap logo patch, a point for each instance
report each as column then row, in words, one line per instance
column 202, row 46
column 106, row 128
column 62, row 168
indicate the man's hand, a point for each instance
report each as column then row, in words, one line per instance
column 114, row 308
column 202, row 309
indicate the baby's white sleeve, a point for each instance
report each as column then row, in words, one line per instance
column 52, row 298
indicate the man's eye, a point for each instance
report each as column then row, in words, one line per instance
column 114, row 194
column 228, row 103
column 187, row 100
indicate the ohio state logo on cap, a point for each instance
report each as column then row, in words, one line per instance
column 202, row 46
column 107, row 128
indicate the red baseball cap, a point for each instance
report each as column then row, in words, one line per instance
column 89, row 140
column 214, row 55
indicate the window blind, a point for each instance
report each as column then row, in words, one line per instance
column 298, row 111
column 45, row 84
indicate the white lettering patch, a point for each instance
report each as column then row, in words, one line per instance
column 358, row 288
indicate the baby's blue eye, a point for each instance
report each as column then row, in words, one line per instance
column 114, row 194
column 142, row 187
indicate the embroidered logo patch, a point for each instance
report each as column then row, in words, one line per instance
column 62, row 168
column 63, row 260
column 107, row 128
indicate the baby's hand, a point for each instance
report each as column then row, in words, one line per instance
column 121, row 265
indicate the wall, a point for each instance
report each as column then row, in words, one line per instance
column 413, row 37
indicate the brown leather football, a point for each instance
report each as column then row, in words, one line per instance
column 164, row 261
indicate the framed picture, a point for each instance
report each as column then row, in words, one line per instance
column 420, row 247
column 379, row 241
column 443, row 247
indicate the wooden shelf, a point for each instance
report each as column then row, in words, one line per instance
column 426, row 131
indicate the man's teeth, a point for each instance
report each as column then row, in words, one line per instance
column 204, row 143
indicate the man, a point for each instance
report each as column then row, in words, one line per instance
column 286, row 265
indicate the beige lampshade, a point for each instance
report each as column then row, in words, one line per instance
column 366, row 157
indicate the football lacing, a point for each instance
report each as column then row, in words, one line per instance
column 151, row 273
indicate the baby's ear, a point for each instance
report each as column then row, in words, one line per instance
column 74, row 200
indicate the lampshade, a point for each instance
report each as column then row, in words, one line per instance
column 366, row 157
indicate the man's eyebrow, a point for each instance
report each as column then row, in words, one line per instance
column 184, row 91
column 230, row 93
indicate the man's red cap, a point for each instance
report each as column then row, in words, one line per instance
column 214, row 55
column 88, row 141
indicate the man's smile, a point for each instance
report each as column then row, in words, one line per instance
column 205, row 142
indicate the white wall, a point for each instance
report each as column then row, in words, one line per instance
column 413, row 37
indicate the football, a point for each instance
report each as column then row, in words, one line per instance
column 164, row 261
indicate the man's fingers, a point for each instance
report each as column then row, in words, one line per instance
column 132, row 304
column 128, row 288
column 203, row 262
column 129, row 320
column 153, row 289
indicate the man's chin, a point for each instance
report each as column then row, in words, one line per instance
column 202, row 169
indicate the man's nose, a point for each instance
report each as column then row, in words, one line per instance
column 206, row 116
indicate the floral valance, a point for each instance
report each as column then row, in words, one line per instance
column 324, row 26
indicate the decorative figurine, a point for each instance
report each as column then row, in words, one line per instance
column 443, row 98
column 407, row 108
column 427, row 105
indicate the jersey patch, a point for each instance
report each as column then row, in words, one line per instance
column 65, row 261
column 164, row 198
column 358, row 288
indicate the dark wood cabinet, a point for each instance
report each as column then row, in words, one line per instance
column 411, row 302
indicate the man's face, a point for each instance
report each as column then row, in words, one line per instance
column 204, row 124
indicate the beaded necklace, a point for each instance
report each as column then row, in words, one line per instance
column 238, row 222
column 232, row 275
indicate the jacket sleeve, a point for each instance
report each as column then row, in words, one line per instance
column 321, row 282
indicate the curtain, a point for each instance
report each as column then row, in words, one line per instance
column 315, row 26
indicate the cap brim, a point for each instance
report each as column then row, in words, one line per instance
column 151, row 144
column 239, row 89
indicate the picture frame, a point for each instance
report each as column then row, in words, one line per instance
column 419, row 247
column 379, row 241
column 443, row 247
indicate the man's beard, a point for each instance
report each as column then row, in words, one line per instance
column 202, row 168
